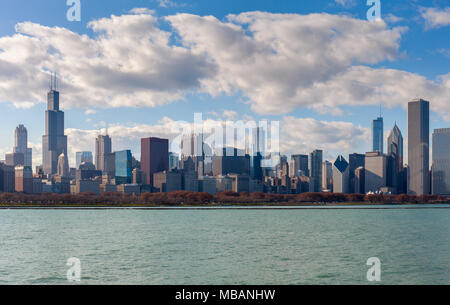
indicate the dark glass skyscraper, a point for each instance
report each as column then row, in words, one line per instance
column 315, row 170
column 355, row 161
column 124, row 171
column 377, row 134
column 418, row 147
column 54, row 142
column 441, row 162
column 154, row 157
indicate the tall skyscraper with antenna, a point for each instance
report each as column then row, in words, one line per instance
column 377, row 134
column 54, row 142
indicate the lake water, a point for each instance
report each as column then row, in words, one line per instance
column 226, row 246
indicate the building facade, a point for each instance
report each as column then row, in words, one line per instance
column 341, row 175
column 83, row 156
column 441, row 162
column 21, row 144
column 103, row 148
column 418, row 147
column 154, row 157
column 315, row 170
column 377, row 135
column 355, row 161
column 375, row 172
column 395, row 176
column 124, row 170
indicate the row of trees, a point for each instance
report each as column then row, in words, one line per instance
column 179, row 198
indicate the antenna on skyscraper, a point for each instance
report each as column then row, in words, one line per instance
column 380, row 110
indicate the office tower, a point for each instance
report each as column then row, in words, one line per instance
column 340, row 175
column 256, row 169
column 24, row 179
column 7, row 178
column 154, row 157
column 103, row 147
column 174, row 161
column 110, row 165
column 441, row 162
column 258, row 142
column 418, row 147
column 15, row 159
column 231, row 164
column 375, row 171
column 139, row 176
column 355, row 160
column 315, row 170
column 395, row 175
column 83, row 156
column 21, row 144
column 327, row 175
column 360, row 180
column 124, row 171
column 377, row 134
column 63, row 166
column 54, row 142
column 300, row 165
column 166, row 182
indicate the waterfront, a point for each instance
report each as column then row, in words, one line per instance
column 226, row 246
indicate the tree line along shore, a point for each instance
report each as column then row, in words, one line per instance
column 186, row 198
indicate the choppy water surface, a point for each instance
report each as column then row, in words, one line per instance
column 265, row 246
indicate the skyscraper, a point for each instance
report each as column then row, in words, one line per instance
column 395, row 175
column 83, row 156
column 54, row 142
column 375, row 171
column 124, row 171
column 377, row 134
column 441, row 162
column 21, row 144
column 315, row 170
column 154, row 157
column 300, row 163
column 327, row 175
column 418, row 147
column 355, row 161
column 103, row 148
column 340, row 175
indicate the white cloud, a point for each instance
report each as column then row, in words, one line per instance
column 346, row 3
column 391, row 18
column 435, row 17
column 278, row 62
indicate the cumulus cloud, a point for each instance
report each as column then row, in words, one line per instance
column 277, row 62
column 435, row 17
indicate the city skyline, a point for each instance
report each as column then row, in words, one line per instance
column 395, row 65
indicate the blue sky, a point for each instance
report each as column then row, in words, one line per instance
column 421, row 47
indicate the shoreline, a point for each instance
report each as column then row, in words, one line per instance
column 230, row 206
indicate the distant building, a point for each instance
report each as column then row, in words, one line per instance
column 355, row 161
column 110, row 165
column 87, row 171
column 208, row 185
column 167, row 182
column 139, row 177
column 360, row 180
column 300, row 164
column 131, row 189
column 83, row 156
column 124, row 169
column 15, row 159
column 377, row 135
column 54, row 142
column 241, row 183
column 375, row 171
column 24, row 179
column 418, row 147
column 224, row 184
column 341, row 175
column 103, row 147
column 315, row 170
column 395, row 173
column 85, row 186
column 174, row 161
column 231, row 164
column 21, row 144
column 441, row 162
column 7, row 178
column 327, row 175
column 154, row 157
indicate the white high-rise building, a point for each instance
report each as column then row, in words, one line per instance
column 21, row 144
